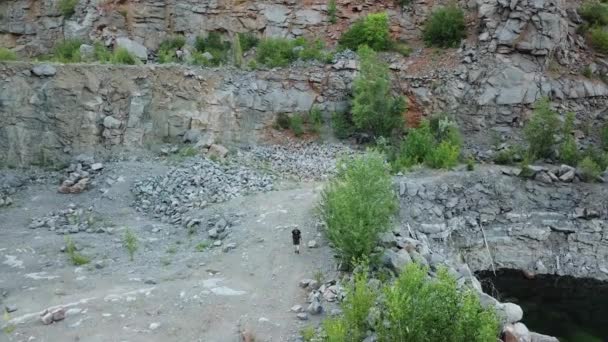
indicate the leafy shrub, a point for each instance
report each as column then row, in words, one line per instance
column 594, row 12
column 67, row 51
column 417, row 146
column 587, row 72
column 505, row 156
column 357, row 205
column 598, row 37
column 470, row 164
column 373, row 31
column 282, row 121
column 296, row 124
column 101, row 53
column 360, row 297
column 598, row 156
column 541, row 130
column 335, row 330
column 76, row 258
column 67, row 7
column 418, row 309
column 568, row 151
column 168, row 48
column 444, row 156
column 445, row 28
column 214, row 45
column 604, row 136
column 237, row 51
column 279, row 52
column 374, row 109
column 7, row 55
column 123, row 56
column 315, row 119
column 342, row 125
column 331, row 11
column 590, row 170
column 248, row 41
column 129, row 241
column 402, row 48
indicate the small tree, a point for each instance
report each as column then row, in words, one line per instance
column 568, row 151
column 357, row 205
column 374, row 108
column 331, row 11
column 373, row 31
column 238, row 51
column 541, row 129
column 445, row 28
column 130, row 243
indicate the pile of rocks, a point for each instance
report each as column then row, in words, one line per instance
column 328, row 292
column 194, row 184
column 304, row 160
column 71, row 221
column 5, row 200
column 551, row 174
column 79, row 175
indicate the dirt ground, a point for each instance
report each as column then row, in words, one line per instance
column 171, row 291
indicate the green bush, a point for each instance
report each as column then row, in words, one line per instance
column 168, row 48
column 67, row 7
column 594, row 13
column 67, row 51
column 279, row 52
column 505, row 156
column 7, row 55
column 248, row 41
column 357, row 205
column 237, row 51
column 342, row 125
column 417, row 145
column 444, row 156
column 296, row 124
column 336, row 330
column 598, row 37
column 470, row 163
column 331, row 11
column 315, row 119
column 589, row 169
column 123, row 56
column 540, row 131
column 130, row 243
column 568, row 151
column 282, row 121
column 76, row 258
column 101, row 53
column 374, row 109
column 373, row 31
column 418, row 309
column 604, row 136
column 214, row 45
column 598, row 156
column 445, row 28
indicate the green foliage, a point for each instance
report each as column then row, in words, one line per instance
column 445, row 28
column 168, row 48
column 252, row 65
column 436, row 143
column 470, row 163
column 374, row 109
column 76, row 258
column 237, row 51
column 308, row 333
column 421, row 310
column 129, row 241
column 67, row 7
column 541, row 130
column 123, row 56
column 331, row 11
column 587, row 72
column 214, row 45
column 296, row 124
column 67, row 51
column 604, row 136
column 282, row 121
column 360, row 297
column 279, row 52
column 598, row 36
column 568, row 151
column 7, row 55
column 335, row 330
column 357, row 205
column 188, row 151
column 248, row 41
column 594, row 13
column 101, row 53
column 505, row 156
column 202, row 246
column 444, row 156
column 315, row 119
column 373, row 31
column 589, row 169
column 402, row 48
column 342, row 125
column 598, row 156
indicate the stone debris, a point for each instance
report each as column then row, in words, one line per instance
column 80, row 174
column 312, row 244
column 5, row 200
column 72, row 220
column 302, row 316
column 194, row 184
column 296, row 308
column 10, row 308
column 54, row 315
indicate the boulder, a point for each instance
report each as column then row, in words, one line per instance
column 134, row 48
column 517, row 332
column 534, row 337
column 217, row 150
column 44, row 70
column 396, row 261
column 510, row 312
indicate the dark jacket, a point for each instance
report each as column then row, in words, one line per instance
column 296, row 236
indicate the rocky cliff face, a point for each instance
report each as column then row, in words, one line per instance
column 557, row 228
column 48, row 112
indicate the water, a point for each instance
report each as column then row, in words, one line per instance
column 571, row 309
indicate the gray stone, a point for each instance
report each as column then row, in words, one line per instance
column 96, row 166
column 44, row 70
column 134, row 48
column 10, row 308
column 302, row 316
column 218, row 151
column 512, row 313
column 312, row 244
column 535, row 337
column 396, row 260
column 568, row 176
column 153, row 326
column 111, row 123
column 87, row 52
column 213, row 233
column 315, row 308
column 296, row 308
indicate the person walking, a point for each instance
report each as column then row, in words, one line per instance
column 296, row 236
